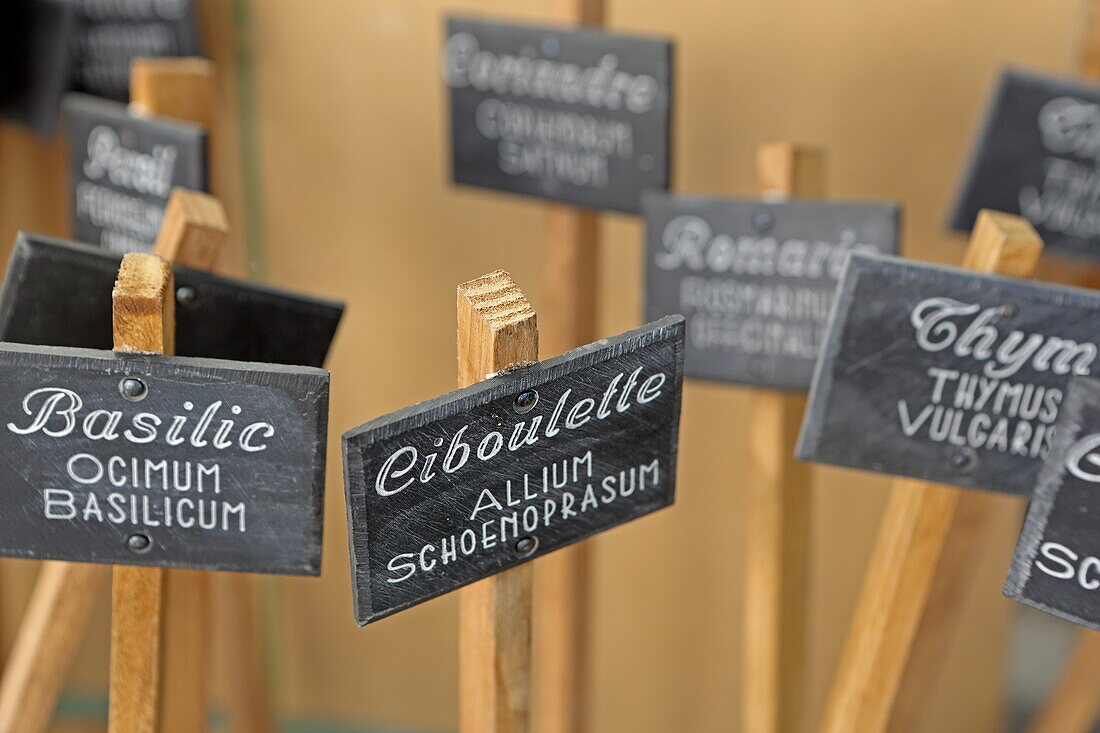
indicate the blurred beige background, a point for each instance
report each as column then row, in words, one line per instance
column 350, row 126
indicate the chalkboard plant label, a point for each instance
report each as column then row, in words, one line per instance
column 124, row 167
column 111, row 34
column 1037, row 157
column 755, row 279
column 454, row 489
column 577, row 116
column 35, row 61
column 216, row 317
column 144, row 459
column 1057, row 563
column 947, row 375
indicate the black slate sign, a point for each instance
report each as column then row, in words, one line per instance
column 35, row 60
column 203, row 464
column 454, row 489
column 755, row 279
column 577, row 116
column 1057, row 563
column 943, row 374
column 124, row 167
column 58, row 293
column 112, row 33
column 1037, row 156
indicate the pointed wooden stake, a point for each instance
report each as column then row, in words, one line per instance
column 144, row 320
column 777, row 544
column 918, row 561
column 496, row 330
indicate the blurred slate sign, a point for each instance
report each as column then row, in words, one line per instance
column 143, row 459
column 216, row 317
column 1037, row 156
column 112, row 33
column 755, row 279
column 123, row 169
column 463, row 486
column 946, row 375
column 35, row 37
column 1057, row 563
column 577, row 116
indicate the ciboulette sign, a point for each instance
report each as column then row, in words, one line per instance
column 1057, row 562
column 755, row 279
column 577, row 116
column 452, row 490
column 1037, row 156
column 144, row 459
column 215, row 316
column 947, row 375
column 124, row 167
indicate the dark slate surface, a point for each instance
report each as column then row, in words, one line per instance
column 58, row 293
column 123, row 167
column 1037, row 156
column 112, row 33
column 599, row 148
column 598, row 465
column 262, row 512
column 35, row 60
column 1056, row 566
column 875, row 382
column 755, row 279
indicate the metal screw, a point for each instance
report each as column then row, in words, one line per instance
column 763, row 220
column 187, row 296
column 1008, row 310
column 525, row 401
column 139, row 543
column 133, row 389
column 963, row 459
column 526, row 545
column 551, row 46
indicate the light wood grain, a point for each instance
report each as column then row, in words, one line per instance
column 143, row 304
column 910, row 594
column 193, row 231
column 779, row 499
column 48, row 638
column 180, row 87
column 1074, row 704
column 496, row 330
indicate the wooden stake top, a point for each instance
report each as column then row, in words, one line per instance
column 180, row 87
column 497, row 328
column 1003, row 244
column 143, row 303
column 790, row 170
column 193, row 229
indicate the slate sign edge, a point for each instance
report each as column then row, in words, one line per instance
column 670, row 328
column 1082, row 391
column 205, row 367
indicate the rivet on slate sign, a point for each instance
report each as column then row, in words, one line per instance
column 1056, row 566
column 219, row 467
column 921, row 376
column 112, row 34
column 755, row 280
column 220, row 323
column 601, row 134
column 1036, row 157
column 123, row 168
column 458, row 488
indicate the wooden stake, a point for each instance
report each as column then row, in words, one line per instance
column 777, row 542
column 1074, row 705
column 193, row 230
column 496, row 330
column 562, row 577
column 916, row 560
column 177, row 87
column 144, row 320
